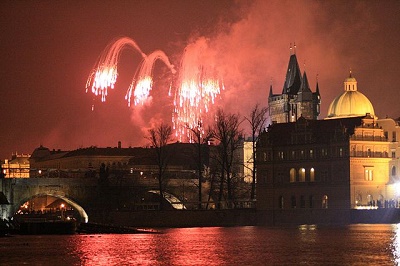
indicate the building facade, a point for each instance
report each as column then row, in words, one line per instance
column 16, row 167
column 317, row 171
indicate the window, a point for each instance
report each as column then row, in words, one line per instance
column 370, row 200
column 393, row 170
column 281, row 202
column 340, row 152
column 393, row 154
column 368, row 174
column 293, row 200
column 292, row 175
column 325, row 202
column 302, row 202
column 311, row 154
column 311, row 201
column 312, row 175
column 358, row 199
column 394, row 136
column 302, row 175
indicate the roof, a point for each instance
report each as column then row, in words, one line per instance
column 293, row 77
column 322, row 131
column 350, row 103
column 182, row 154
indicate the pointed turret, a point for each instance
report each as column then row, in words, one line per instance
column 304, row 93
column 293, row 77
column 317, row 89
column 271, row 94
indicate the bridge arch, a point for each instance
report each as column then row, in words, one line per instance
column 75, row 205
column 174, row 201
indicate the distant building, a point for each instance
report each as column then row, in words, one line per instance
column 16, row 167
column 296, row 100
column 316, row 171
column 86, row 162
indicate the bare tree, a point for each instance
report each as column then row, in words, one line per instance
column 200, row 138
column 256, row 120
column 159, row 137
column 227, row 133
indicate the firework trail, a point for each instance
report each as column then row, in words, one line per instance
column 142, row 82
column 105, row 72
column 198, row 87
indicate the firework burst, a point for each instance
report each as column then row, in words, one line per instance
column 105, row 73
column 198, row 87
column 142, row 83
column 195, row 92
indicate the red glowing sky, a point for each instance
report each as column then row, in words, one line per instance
column 48, row 49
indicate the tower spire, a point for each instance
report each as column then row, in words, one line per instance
column 270, row 89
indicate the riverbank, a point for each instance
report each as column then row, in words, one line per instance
column 245, row 217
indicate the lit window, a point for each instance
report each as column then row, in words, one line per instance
column 312, row 175
column 311, row 154
column 340, row 152
column 292, row 175
column 302, row 175
column 368, row 174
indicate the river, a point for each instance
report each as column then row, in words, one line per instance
column 303, row 245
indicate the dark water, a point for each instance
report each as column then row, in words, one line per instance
column 305, row 245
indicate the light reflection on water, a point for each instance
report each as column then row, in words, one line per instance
column 308, row 244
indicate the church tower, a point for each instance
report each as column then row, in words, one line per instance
column 296, row 99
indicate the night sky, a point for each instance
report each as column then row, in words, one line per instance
column 48, row 49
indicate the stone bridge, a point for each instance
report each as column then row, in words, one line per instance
column 91, row 197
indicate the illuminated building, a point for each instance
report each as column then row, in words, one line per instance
column 17, row 166
column 296, row 99
column 318, row 171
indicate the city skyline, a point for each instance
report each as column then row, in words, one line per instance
column 49, row 49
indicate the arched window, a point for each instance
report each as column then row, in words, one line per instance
column 292, row 175
column 281, row 202
column 381, row 201
column 302, row 175
column 359, row 199
column 312, row 174
column 394, row 171
column 370, row 200
column 325, row 202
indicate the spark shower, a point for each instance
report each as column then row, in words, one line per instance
column 194, row 91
